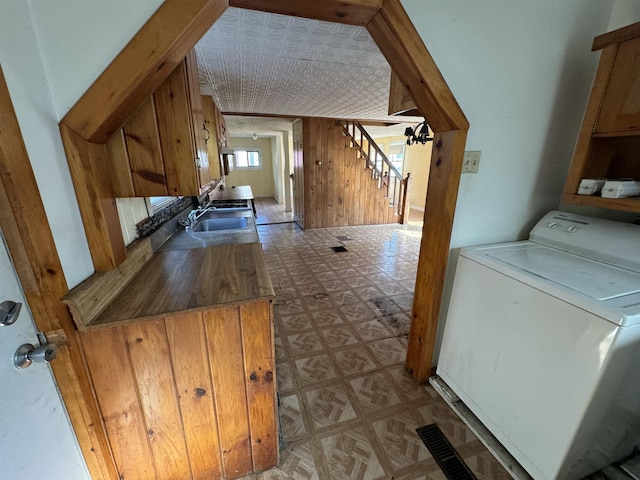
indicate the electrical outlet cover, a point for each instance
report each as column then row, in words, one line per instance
column 471, row 162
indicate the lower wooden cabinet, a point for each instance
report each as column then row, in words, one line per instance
column 189, row 395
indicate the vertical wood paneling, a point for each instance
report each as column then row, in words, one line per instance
column 116, row 390
column 328, row 194
column 175, row 128
column 341, row 188
column 152, row 369
column 340, row 191
column 257, row 342
column 224, row 341
column 190, row 360
column 143, row 148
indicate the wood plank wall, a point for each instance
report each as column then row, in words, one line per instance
column 188, row 396
column 338, row 188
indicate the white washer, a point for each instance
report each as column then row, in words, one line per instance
column 542, row 343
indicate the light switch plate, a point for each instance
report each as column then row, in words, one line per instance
column 471, row 162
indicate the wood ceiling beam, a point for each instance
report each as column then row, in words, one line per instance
column 144, row 63
column 402, row 46
column 376, row 123
column 352, row 12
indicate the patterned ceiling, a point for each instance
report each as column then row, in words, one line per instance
column 256, row 62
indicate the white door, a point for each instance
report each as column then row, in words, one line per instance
column 36, row 436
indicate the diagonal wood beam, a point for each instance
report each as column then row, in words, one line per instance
column 145, row 62
column 353, row 12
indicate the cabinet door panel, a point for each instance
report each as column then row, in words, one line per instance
column 143, row 148
column 209, row 111
column 195, row 100
column 175, row 127
column 620, row 110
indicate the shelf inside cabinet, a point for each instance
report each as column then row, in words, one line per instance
column 631, row 204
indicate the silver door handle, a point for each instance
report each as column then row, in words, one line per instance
column 27, row 354
column 9, row 312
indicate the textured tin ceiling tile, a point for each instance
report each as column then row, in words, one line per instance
column 256, row 62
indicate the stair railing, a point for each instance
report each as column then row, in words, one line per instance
column 382, row 170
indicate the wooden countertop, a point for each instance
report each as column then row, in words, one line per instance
column 240, row 192
column 183, row 280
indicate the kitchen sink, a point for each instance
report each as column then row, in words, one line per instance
column 221, row 223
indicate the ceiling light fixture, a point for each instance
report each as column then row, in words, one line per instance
column 422, row 137
column 255, row 137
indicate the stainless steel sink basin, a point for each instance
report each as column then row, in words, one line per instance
column 215, row 227
column 222, row 223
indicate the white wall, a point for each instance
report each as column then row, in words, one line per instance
column 521, row 72
column 624, row 13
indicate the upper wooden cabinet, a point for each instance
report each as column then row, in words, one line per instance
column 211, row 113
column 162, row 149
column 621, row 104
column 609, row 141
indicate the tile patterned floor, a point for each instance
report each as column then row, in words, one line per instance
column 348, row 409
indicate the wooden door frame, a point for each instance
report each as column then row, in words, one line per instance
column 30, row 243
column 143, row 64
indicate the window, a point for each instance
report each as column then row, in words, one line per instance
column 248, row 158
column 396, row 156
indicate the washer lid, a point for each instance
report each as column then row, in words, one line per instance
column 592, row 278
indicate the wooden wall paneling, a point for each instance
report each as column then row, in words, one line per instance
column 96, row 201
column 224, row 341
column 195, row 100
column 209, row 116
column 175, row 127
column 30, row 243
column 446, row 166
column 349, row 182
column 119, row 166
column 144, row 63
column 342, row 188
column 108, row 359
column 259, row 372
column 151, row 365
column 354, row 12
column 358, row 210
column 190, row 360
column 329, row 199
column 145, row 156
column 308, row 159
column 401, row 45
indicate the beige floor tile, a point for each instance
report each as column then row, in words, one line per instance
column 355, row 360
column 291, row 417
column 304, row 343
column 349, row 455
column 375, row 392
column 315, row 369
column 329, row 316
column 371, row 330
column 329, row 406
column 388, row 352
column 337, row 336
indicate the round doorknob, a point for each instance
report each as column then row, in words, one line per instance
column 27, row 354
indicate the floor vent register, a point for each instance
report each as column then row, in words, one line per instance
column 444, row 454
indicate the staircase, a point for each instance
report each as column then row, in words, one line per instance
column 387, row 190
